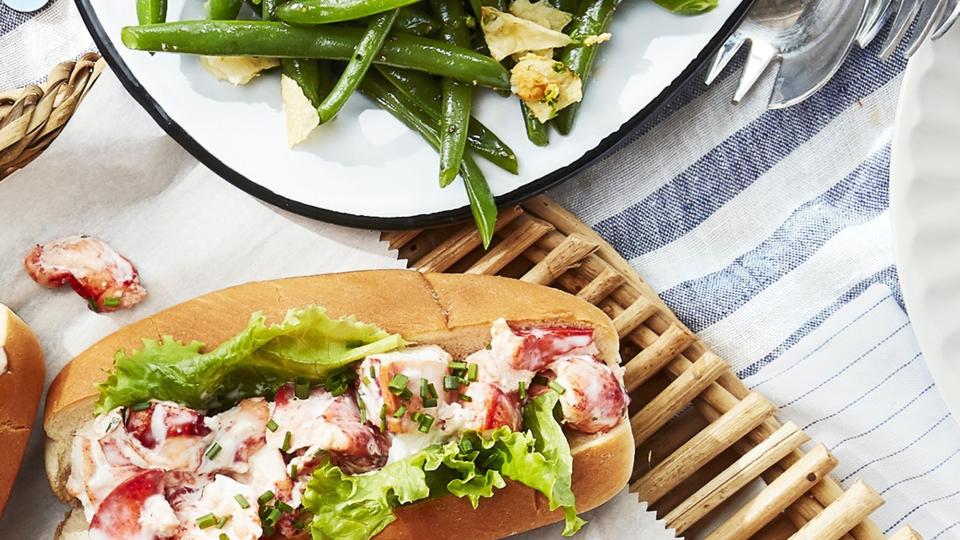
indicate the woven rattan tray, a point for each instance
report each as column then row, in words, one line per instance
column 701, row 435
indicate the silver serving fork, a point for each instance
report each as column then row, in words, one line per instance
column 811, row 38
column 927, row 17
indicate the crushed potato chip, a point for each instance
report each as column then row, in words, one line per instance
column 590, row 41
column 302, row 116
column 508, row 34
column 541, row 13
column 546, row 86
column 237, row 70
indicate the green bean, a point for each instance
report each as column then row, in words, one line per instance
column 424, row 91
column 570, row 6
column 223, row 10
column 482, row 205
column 358, row 65
column 278, row 40
column 268, row 10
column 312, row 76
column 592, row 18
column 457, row 98
column 415, row 21
column 151, row 11
column 537, row 131
column 328, row 11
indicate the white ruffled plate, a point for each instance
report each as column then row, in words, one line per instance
column 367, row 169
column 925, row 206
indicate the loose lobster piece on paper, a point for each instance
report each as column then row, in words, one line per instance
column 106, row 279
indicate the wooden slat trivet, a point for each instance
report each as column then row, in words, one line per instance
column 690, row 459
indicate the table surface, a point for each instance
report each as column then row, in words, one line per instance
column 735, row 213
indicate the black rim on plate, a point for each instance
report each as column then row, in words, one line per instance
column 436, row 219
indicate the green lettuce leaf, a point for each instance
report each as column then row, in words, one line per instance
column 358, row 507
column 540, row 458
column 688, row 7
column 307, row 344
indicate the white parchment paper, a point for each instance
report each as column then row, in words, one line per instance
column 114, row 174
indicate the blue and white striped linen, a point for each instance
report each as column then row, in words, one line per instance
column 858, row 384
column 762, row 229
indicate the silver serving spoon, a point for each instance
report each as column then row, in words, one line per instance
column 25, row 6
column 811, row 38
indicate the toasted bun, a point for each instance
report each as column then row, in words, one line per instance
column 20, row 388
column 453, row 311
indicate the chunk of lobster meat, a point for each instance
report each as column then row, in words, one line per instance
column 135, row 510
column 544, row 344
column 237, row 434
column 165, row 436
column 97, row 466
column 420, row 370
column 515, row 355
column 322, row 422
column 106, row 279
column 488, row 408
column 218, row 502
column 593, row 398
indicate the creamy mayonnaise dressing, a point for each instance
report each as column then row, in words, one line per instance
column 259, row 446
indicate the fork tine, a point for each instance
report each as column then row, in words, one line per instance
column 929, row 16
column 873, row 22
column 761, row 54
column 949, row 18
column 724, row 55
column 901, row 24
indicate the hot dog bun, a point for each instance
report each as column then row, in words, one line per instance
column 453, row 311
column 21, row 384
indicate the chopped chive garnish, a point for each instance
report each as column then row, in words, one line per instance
column 143, row 405
column 451, row 382
column 399, row 383
column 274, row 516
column 112, row 301
column 293, row 471
column 373, row 372
column 472, row 370
column 205, row 521
column 272, row 426
column 242, row 501
column 522, row 388
column 92, row 304
column 406, row 394
column 213, row 450
column 416, row 416
column 433, row 390
column 302, row 390
column 400, row 412
column 555, row 386
column 430, row 402
column 425, row 422
column 365, row 380
column 464, row 397
column 424, row 389
column 383, row 417
column 363, row 411
column 223, row 521
column 457, row 366
column 287, row 439
column 265, row 497
column 284, row 507
column 223, row 536
column 540, row 379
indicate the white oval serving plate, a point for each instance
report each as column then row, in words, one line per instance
column 925, row 207
column 365, row 168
